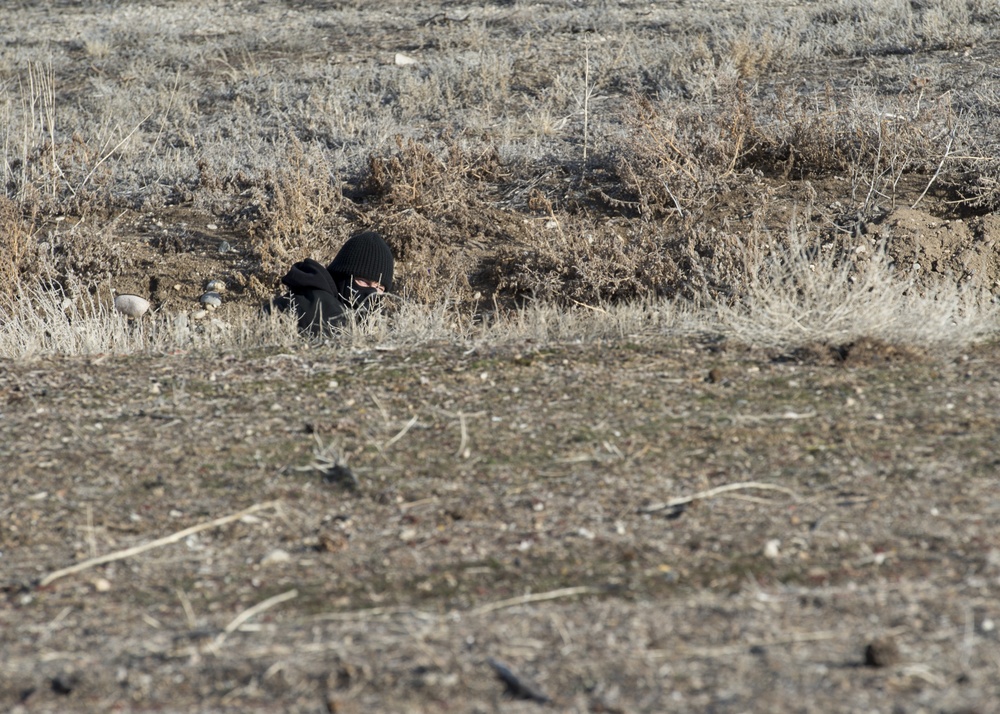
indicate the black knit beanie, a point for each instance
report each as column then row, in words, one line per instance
column 365, row 255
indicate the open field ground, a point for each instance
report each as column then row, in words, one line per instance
column 486, row 475
column 687, row 402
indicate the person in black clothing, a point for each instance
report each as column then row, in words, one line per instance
column 324, row 298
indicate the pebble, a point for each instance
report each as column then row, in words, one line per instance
column 276, row 556
column 224, row 247
column 131, row 305
column 772, row 549
column 882, row 652
column 199, row 314
column 212, row 227
column 215, row 286
column 211, row 300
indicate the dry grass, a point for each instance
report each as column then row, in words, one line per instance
column 562, row 154
column 794, row 295
column 798, row 294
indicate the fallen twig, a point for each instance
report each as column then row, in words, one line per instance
column 363, row 615
column 401, row 434
column 534, row 597
column 717, row 491
column 251, row 611
column 166, row 540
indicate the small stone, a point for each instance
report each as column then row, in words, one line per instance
column 177, row 287
column 404, row 60
column 199, row 314
column 881, row 652
column 275, row 557
column 212, row 227
column 64, row 684
column 215, row 286
column 772, row 549
column 224, row 247
column 101, row 585
column 131, row 305
column 211, row 300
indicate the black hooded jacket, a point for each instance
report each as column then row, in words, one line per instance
column 322, row 296
column 315, row 297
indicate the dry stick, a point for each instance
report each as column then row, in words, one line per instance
column 251, row 611
column 465, row 435
column 944, row 158
column 681, row 500
column 534, row 597
column 362, row 615
column 166, row 540
column 401, row 434
column 586, row 105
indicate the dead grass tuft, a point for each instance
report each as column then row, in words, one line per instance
column 798, row 294
column 17, row 240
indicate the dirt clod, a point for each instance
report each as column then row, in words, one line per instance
column 882, row 652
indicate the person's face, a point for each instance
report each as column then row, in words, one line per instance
column 372, row 284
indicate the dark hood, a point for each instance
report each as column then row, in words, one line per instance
column 309, row 275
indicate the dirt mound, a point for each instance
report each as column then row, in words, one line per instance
column 964, row 250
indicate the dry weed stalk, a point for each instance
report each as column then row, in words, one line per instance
column 158, row 543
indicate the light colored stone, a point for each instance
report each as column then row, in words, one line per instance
column 131, row 305
column 275, row 557
column 211, row 300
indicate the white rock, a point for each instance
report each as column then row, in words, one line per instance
column 211, row 300
column 215, row 286
column 772, row 549
column 131, row 305
column 276, row 556
column 404, row 60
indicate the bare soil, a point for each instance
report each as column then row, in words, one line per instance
column 470, row 478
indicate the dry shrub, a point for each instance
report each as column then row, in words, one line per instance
column 17, row 239
column 442, row 214
column 872, row 142
column 675, row 162
column 287, row 212
column 584, row 261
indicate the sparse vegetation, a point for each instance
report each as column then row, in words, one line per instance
column 650, row 255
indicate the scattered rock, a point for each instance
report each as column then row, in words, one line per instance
column 341, row 475
column 881, row 652
column 211, row 300
column 224, row 247
column 404, row 60
column 215, row 286
column 131, row 305
column 64, row 684
column 275, row 557
column 515, row 686
column 772, row 549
